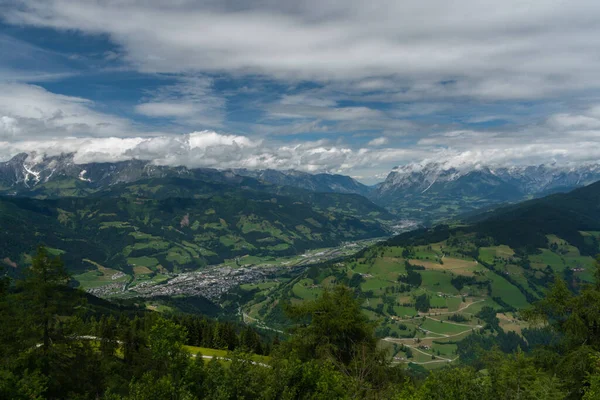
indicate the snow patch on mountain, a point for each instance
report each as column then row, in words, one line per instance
column 29, row 173
column 82, row 176
column 530, row 179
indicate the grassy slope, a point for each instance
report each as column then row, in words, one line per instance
column 498, row 270
column 142, row 227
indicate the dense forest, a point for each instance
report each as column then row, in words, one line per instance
column 56, row 342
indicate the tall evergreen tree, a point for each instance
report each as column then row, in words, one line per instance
column 45, row 296
column 336, row 326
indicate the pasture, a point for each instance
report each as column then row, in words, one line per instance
column 507, row 292
column 444, row 327
column 488, row 254
column 99, row 276
column 455, row 265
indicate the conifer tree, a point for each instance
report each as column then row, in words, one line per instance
column 45, row 297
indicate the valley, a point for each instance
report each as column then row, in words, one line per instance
column 429, row 289
column 245, row 245
column 427, row 298
column 212, row 281
column 299, row 200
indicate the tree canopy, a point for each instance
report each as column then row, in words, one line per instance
column 54, row 345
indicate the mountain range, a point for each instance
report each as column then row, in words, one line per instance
column 314, row 182
column 133, row 213
column 435, row 190
column 428, row 192
column 27, row 173
column 526, row 179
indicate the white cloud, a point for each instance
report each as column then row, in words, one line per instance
column 293, row 128
column 565, row 138
column 380, row 141
column 490, row 49
column 29, row 111
column 164, row 109
column 325, row 112
column 458, row 149
column 587, row 120
column 201, row 140
column 212, row 149
column 321, row 111
column 306, row 99
column 191, row 101
column 9, row 127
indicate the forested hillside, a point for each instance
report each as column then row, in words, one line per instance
column 566, row 215
column 429, row 290
column 175, row 224
column 56, row 345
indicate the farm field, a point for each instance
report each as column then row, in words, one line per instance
column 432, row 294
column 445, row 327
column 99, row 276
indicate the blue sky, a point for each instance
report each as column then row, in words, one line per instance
column 323, row 86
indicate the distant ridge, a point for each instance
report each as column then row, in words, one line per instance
column 24, row 172
column 435, row 191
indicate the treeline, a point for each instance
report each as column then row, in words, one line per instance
column 412, row 277
column 204, row 332
column 56, row 344
column 200, row 331
column 47, row 351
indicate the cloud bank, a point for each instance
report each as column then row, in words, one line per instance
column 33, row 119
column 30, row 111
column 482, row 48
column 352, row 87
column 217, row 150
column 211, row 149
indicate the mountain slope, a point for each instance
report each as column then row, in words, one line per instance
column 173, row 224
column 41, row 176
column 203, row 184
column 564, row 215
column 28, row 172
column 526, row 225
column 436, row 284
column 435, row 191
column 55, row 177
column 314, row 182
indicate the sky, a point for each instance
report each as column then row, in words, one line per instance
column 351, row 87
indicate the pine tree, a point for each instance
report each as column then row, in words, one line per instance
column 107, row 332
column 45, row 297
column 338, row 327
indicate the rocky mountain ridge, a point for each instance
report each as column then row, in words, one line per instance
column 24, row 172
column 527, row 180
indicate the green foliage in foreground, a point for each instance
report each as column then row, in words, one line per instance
column 49, row 350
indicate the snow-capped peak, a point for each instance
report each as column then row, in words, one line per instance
column 529, row 179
